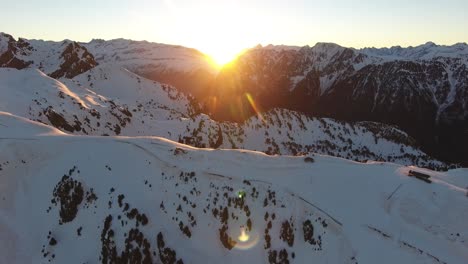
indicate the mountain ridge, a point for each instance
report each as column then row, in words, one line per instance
column 423, row 90
column 326, row 80
column 109, row 100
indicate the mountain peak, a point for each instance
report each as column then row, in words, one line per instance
column 327, row 47
column 281, row 47
column 429, row 44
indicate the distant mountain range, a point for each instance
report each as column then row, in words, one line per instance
column 423, row 90
column 103, row 88
column 125, row 152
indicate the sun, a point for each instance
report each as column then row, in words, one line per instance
column 221, row 30
column 222, row 56
column 220, row 52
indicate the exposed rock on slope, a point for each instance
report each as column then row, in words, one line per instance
column 76, row 60
column 187, row 69
column 11, row 47
column 113, row 101
column 76, row 199
column 57, row 59
column 423, row 90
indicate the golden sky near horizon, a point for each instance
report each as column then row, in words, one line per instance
column 222, row 29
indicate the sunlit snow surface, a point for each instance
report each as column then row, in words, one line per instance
column 110, row 100
column 74, row 199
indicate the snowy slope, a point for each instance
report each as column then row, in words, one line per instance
column 284, row 132
column 14, row 126
column 134, row 55
column 97, row 91
column 427, row 51
column 80, row 199
column 143, row 55
column 186, row 68
column 423, row 90
column 74, row 108
column 109, row 100
column 56, row 59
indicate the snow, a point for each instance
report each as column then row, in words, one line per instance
column 3, row 43
column 280, row 47
column 427, row 51
column 14, row 126
column 417, row 224
column 328, row 48
column 45, row 54
column 138, row 56
column 334, row 63
column 111, row 100
column 361, row 212
column 295, row 80
column 326, row 82
column 145, row 56
column 17, row 88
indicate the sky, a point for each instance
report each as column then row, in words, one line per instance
column 224, row 28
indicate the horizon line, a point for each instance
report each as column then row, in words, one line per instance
column 246, row 48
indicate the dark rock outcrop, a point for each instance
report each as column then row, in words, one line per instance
column 428, row 98
column 76, row 60
column 73, row 60
column 10, row 58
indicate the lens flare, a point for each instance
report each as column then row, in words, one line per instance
column 241, row 194
column 247, row 239
column 243, row 237
column 254, row 106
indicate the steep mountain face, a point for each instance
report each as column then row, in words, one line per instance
column 424, row 98
column 75, row 60
column 9, row 48
column 423, row 90
column 57, row 59
column 281, row 77
column 73, row 199
column 411, row 88
column 187, row 69
column 113, row 101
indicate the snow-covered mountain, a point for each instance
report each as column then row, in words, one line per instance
column 427, row 51
column 57, row 59
column 90, row 170
column 76, row 199
column 96, row 88
column 185, row 68
column 317, row 71
column 423, row 90
column 112, row 101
